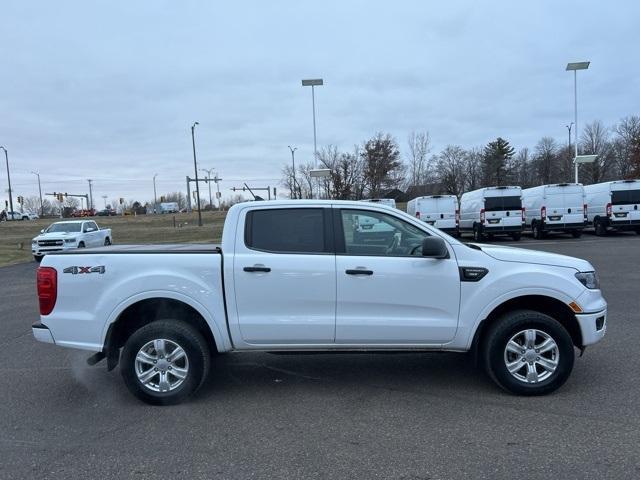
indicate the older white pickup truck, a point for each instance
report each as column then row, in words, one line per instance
column 304, row 276
column 69, row 235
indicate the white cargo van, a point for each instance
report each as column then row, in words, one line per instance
column 614, row 205
column 169, row 207
column 559, row 207
column 492, row 211
column 441, row 211
column 384, row 201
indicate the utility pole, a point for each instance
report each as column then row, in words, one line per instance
column 209, row 182
column 195, row 167
column 293, row 162
column 574, row 67
column 155, row 196
column 40, row 191
column 6, row 158
column 90, row 195
column 569, row 128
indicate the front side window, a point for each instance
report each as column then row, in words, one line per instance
column 286, row 230
column 375, row 233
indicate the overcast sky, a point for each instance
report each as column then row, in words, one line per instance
column 108, row 90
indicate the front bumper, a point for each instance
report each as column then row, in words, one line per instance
column 593, row 326
column 42, row 333
column 38, row 250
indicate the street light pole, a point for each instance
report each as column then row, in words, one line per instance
column 90, row 207
column 6, row 158
column 155, row 195
column 209, row 183
column 575, row 66
column 195, row 167
column 313, row 83
column 293, row 162
column 40, row 191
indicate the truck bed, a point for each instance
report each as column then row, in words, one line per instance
column 157, row 248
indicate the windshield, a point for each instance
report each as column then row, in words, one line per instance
column 625, row 197
column 495, row 204
column 64, row 227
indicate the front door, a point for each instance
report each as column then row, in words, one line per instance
column 285, row 277
column 387, row 292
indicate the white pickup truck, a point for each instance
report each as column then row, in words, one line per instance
column 301, row 276
column 62, row 236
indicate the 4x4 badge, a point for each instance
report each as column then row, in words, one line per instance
column 78, row 270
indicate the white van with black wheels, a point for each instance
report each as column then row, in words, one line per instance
column 441, row 211
column 390, row 202
column 614, row 205
column 560, row 207
column 492, row 211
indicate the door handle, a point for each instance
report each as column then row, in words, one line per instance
column 257, row 269
column 358, row 271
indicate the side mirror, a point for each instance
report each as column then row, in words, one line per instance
column 434, row 247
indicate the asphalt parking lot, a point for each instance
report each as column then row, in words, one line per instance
column 401, row 416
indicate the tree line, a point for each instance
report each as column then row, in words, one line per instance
column 377, row 166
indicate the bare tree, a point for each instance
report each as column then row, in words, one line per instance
column 451, row 168
column 627, row 138
column 473, row 169
column 545, row 160
column 594, row 140
column 419, row 149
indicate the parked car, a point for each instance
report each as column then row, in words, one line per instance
column 559, row 207
column 384, row 201
column 107, row 212
column 21, row 216
column 85, row 212
column 69, row 235
column 290, row 276
column 492, row 211
column 441, row 211
column 169, row 207
column 614, row 205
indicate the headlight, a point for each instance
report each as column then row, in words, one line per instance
column 589, row 280
column 69, row 240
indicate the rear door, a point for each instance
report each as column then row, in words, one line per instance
column 387, row 293
column 503, row 208
column 625, row 202
column 565, row 204
column 285, row 276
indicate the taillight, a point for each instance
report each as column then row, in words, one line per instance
column 608, row 209
column 523, row 212
column 47, row 281
column 417, row 214
column 543, row 213
column 457, row 217
column 584, row 210
column 482, row 215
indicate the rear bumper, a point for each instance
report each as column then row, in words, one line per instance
column 624, row 224
column 593, row 326
column 563, row 226
column 42, row 333
column 488, row 228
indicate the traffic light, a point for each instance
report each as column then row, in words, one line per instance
column 60, row 197
column 121, row 200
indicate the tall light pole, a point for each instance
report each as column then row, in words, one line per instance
column 575, row 66
column 90, row 207
column 209, row 182
column 195, row 167
column 569, row 128
column 40, row 191
column 314, row 82
column 6, row 158
column 293, row 162
column 104, row 199
column 155, row 196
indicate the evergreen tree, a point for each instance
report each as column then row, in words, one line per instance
column 494, row 162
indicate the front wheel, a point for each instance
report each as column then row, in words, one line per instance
column 528, row 353
column 107, row 242
column 165, row 362
column 38, row 258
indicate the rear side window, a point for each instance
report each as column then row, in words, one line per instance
column 625, row 197
column 497, row 204
column 287, row 230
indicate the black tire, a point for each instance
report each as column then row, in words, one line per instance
column 184, row 335
column 536, row 231
column 38, row 258
column 600, row 227
column 477, row 234
column 81, row 245
column 516, row 236
column 107, row 242
column 576, row 233
column 504, row 329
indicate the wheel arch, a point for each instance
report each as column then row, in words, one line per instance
column 555, row 308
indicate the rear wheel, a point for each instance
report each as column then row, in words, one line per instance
column 477, row 233
column 165, row 362
column 516, row 236
column 576, row 233
column 528, row 353
column 537, row 231
column 600, row 227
